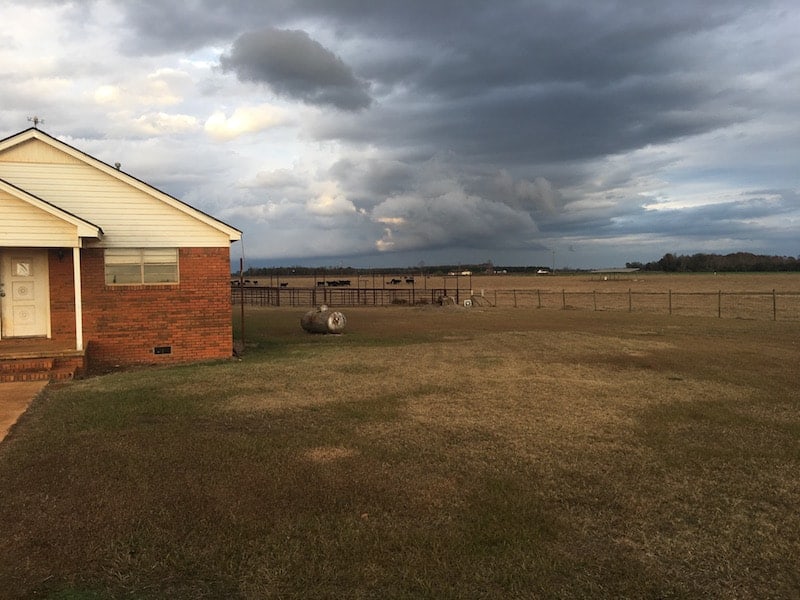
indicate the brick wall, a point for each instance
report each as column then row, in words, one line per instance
column 122, row 325
column 62, row 296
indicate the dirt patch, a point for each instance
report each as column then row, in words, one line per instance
column 324, row 454
column 15, row 398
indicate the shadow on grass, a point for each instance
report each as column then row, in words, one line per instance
column 159, row 494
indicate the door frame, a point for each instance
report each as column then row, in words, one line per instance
column 37, row 264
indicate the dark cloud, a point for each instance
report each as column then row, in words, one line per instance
column 479, row 127
column 157, row 27
column 515, row 82
column 371, row 179
column 438, row 210
column 722, row 221
column 293, row 65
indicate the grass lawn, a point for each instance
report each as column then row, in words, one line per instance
column 426, row 453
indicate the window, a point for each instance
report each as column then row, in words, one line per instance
column 138, row 266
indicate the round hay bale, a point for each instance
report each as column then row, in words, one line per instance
column 322, row 320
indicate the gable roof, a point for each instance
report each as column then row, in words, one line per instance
column 80, row 156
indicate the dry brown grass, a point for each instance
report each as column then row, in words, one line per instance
column 426, row 453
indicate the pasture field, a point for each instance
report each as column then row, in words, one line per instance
column 770, row 296
column 428, row 452
column 581, row 282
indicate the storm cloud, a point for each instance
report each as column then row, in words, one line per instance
column 293, row 65
column 392, row 133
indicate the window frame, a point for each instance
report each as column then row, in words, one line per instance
column 138, row 266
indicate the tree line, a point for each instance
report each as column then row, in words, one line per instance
column 694, row 263
column 704, row 263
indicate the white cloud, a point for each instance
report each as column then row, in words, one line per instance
column 156, row 124
column 46, row 87
column 107, row 94
column 30, row 39
column 164, row 87
column 244, row 120
column 329, row 200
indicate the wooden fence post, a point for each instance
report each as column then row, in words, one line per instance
column 719, row 304
column 774, row 307
column 630, row 301
column 539, row 296
column 594, row 299
column 563, row 299
column 670, row 302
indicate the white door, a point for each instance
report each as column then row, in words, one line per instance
column 24, row 293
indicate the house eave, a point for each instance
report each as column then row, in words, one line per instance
column 84, row 229
column 232, row 233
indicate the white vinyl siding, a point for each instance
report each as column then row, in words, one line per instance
column 24, row 225
column 128, row 216
column 34, row 151
column 140, row 266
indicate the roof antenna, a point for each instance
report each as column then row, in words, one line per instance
column 35, row 120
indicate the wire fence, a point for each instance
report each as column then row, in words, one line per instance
column 772, row 305
column 343, row 296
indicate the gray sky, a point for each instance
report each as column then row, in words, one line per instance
column 375, row 133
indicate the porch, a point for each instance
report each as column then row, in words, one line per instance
column 39, row 359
